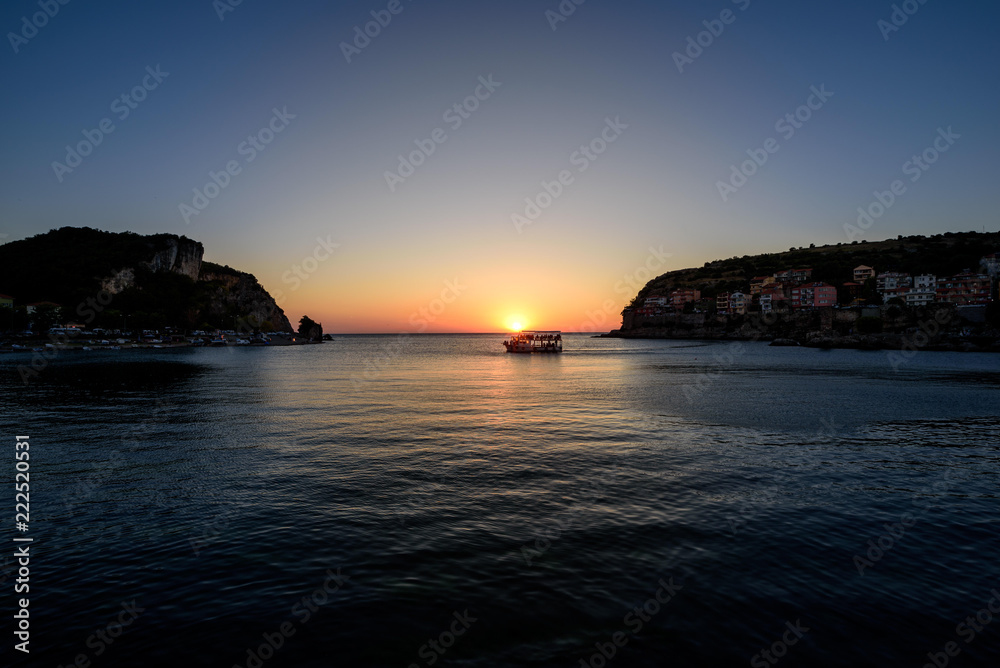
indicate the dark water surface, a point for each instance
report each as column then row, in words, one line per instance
column 527, row 504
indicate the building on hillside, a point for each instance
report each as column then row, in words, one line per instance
column 814, row 295
column 800, row 275
column 920, row 296
column 682, row 296
column 656, row 301
column 793, row 275
column 863, row 272
column 722, row 303
column 991, row 264
column 758, row 283
column 852, row 290
column 923, row 291
column 738, row 303
column 35, row 306
column 774, row 297
column 964, row 289
column 6, row 300
column 766, row 303
column 893, row 284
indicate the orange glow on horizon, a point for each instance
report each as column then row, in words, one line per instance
column 475, row 295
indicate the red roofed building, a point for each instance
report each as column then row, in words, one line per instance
column 678, row 298
column 759, row 282
column 964, row 289
column 814, row 295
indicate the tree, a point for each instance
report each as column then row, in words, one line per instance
column 44, row 317
column 310, row 329
column 870, row 292
column 993, row 314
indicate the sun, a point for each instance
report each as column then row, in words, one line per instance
column 516, row 322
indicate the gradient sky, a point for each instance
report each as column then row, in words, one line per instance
column 323, row 176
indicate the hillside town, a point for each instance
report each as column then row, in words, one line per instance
column 794, row 290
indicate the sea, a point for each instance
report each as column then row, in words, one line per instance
column 429, row 500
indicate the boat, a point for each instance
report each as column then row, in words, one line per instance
column 534, row 342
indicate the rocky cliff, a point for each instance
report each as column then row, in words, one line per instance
column 233, row 290
column 157, row 280
column 177, row 255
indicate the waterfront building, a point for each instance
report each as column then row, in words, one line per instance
column 814, row 295
column 964, row 289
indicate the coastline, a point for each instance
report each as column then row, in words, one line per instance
column 937, row 328
column 972, row 344
column 44, row 344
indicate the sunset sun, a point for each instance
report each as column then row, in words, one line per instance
column 515, row 323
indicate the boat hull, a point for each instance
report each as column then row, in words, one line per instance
column 524, row 347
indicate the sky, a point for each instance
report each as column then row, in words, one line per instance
column 593, row 145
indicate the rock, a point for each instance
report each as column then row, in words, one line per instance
column 784, row 342
column 180, row 255
column 241, row 291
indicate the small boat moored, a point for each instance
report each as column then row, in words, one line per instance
column 534, row 342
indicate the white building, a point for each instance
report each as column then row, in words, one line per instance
column 920, row 296
column 738, row 303
column 893, row 284
column 991, row 265
column 656, row 301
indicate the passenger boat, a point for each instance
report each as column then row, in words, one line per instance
column 534, row 342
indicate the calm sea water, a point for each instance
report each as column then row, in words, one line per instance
column 514, row 510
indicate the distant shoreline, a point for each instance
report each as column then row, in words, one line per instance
column 829, row 341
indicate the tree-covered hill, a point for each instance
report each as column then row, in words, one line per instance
column 146, row 281
column 941, row 254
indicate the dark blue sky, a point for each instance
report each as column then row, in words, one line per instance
column 657, row 184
